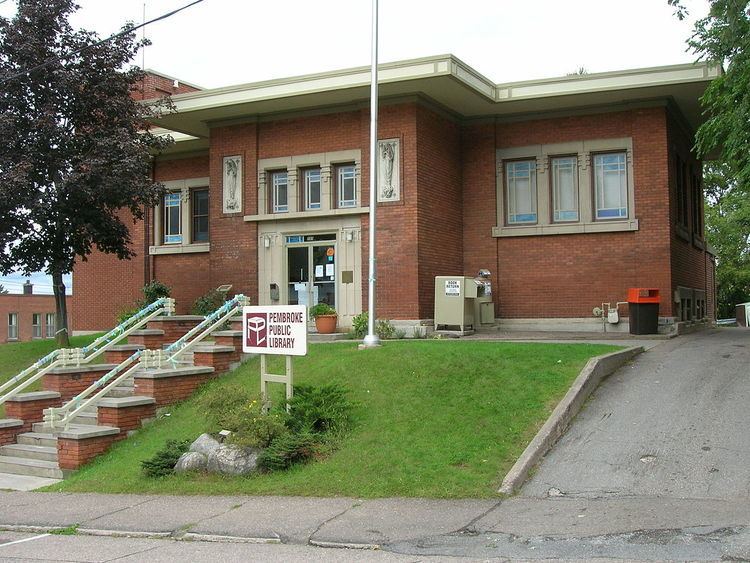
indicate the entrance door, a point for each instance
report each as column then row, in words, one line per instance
column 311, row 270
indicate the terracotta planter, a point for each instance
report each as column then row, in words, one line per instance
column 326, row 324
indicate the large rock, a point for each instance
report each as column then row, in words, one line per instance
column 233, row 460
column 191, row 461
column 205, row 444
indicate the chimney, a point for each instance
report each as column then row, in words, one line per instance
column 28, row 288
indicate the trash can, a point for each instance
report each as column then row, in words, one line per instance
column 643, row 303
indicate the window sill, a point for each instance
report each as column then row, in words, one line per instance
column 307, row 214
column 699, row 243
column 570, row 229
column 682, row 233
column 179, row 248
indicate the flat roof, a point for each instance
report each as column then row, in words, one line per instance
column 450, row 83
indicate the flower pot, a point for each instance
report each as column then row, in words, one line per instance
column 326, row 324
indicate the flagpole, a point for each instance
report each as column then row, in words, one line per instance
column 372, row 339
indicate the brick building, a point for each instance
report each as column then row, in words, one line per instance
column 28, row 316
column 569, row 190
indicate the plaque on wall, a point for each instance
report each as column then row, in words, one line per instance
column 389, row 170
column 232, row 189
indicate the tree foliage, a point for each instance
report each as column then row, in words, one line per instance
column 75, row 152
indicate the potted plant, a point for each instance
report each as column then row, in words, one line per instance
column 325, row 318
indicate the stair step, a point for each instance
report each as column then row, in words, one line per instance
column 87, row 418
column 121, row 392
column 45, row 453
column 37, row 439
column 34, row 467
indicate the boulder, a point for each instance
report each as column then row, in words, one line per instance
column 205, row 444
column 191, row 461
column 233, row 460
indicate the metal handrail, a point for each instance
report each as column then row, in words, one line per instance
column 62, row 416
column 77, row 356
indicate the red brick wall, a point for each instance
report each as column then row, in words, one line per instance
column 72, row 454
column 688, row 259
column 168, row 390
column 157, row 86
column 567, row 275
column 26, row 306
column 126, row 418
column 8, row 434
column 30, row 411
column 440, row 203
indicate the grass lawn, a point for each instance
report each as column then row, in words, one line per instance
column 441, row 419
column 17, row 356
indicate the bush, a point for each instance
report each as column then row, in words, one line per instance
column 319, row 410
column 163, row 462
column 126, row 313
column 383, row 328
column 154, row 290
column 359, row 325
column 237, row 409
column 287, row 450
column 208, row 303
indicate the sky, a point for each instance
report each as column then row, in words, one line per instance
column 221, row 42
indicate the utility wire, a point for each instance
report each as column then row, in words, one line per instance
column 110, row 38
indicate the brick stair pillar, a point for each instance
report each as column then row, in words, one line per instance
column 120, row 353
column 125, row 413
column 9, row 429
column 69, row 381
column 78, row 446
column 149, row 338
column 176, row 326
column 29, row 407
column 218, row 357
column 168, row 386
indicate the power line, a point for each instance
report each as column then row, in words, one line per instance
column 110, row 38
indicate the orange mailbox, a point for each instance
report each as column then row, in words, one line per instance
column 643, row 303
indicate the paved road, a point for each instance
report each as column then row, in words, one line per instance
column 675, row 423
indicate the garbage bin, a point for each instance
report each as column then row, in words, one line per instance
column 643, row 303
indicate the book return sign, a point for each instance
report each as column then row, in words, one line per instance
column 276, row 330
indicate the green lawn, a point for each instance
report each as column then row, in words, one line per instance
column 17, row 356
column 441, row 419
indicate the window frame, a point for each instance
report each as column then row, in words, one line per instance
column 306, row 188
column 194, row 215
column 340, row 202
column 275, row 208
column 49, row 325
column 36, row 327
column 595, row 199
column 576, row 188
column 15, row 326
column 534, row 198
column 166, row 222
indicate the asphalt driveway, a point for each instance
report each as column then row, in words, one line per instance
column 674, row 423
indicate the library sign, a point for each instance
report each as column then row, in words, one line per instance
column 280, row 330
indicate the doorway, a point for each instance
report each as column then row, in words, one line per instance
column 311, row 269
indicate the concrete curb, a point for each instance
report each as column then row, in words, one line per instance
column 591, row 375
column 345, row 545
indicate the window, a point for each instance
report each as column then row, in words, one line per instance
column 611, row 186
column 173, row 218
column 564, row 188
column 12, row 326
column 311, row 178
column 346, row 186
column 280, row 192
column 520, row 182
column 200, row 215
column 36, row 325
column 49, row 325
column 682, row 192
column 697, row 206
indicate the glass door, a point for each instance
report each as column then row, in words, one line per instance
column 324, row 274
column 311, row 270
column 298, row 268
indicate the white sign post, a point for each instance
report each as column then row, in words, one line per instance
column 279, row 331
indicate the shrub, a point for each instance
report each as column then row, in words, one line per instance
column 385, row 329
column 319, row 410
column 126, row 313
column 287, row 450
column 321, row 309
column 208, row 303
column 163, row 462
column 359, row 325
column 154, row 290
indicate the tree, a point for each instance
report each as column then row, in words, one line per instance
column 3, row 291
column 723, row 37
column 76, row 156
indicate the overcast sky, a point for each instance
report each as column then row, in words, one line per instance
column 221, row 42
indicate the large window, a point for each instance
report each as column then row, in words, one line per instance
column 172, row 218
column 611, row 186
column 520, row 182
column 346, row 187
column 49, row 325
column 200, row 215
column 12, row 326
column 279, row 192
column 36, row 325
column 564, row 188
column 311, row 179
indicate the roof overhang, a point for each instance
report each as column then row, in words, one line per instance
column 448, row 82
